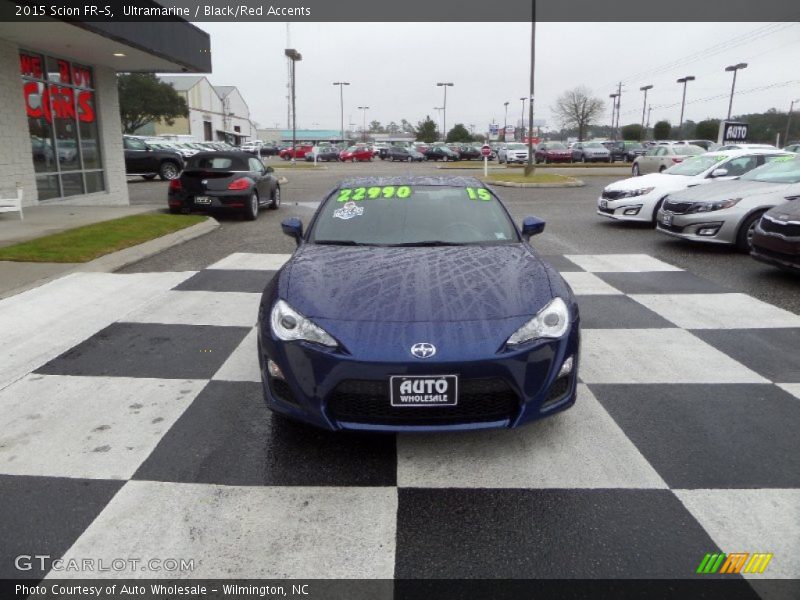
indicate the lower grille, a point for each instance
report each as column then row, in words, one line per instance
column 479, row 400
column 679, row 208
column 557, row 391
column 608, row 211
column 280, row 389
column 613, row 194
column 784, row 229
column 674, row 228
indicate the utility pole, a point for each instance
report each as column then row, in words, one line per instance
column 364, row 122
column 529, row 168
column 613, row 114
column 684, row 81
column 619, row 105
column 293, row 56
column 341, row 85
column 445, row 85
column 505, row 121
column 288, row 79
column 789, row 121
column 733, row 68
column 644, row 104
column 647, row 125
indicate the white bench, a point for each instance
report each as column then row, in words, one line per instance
column 12, row 204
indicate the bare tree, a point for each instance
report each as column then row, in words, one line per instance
column 576, row 108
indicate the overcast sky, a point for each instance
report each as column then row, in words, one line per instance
column 393, row 68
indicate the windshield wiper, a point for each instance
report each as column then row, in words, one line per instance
column 428, row 243
column 342, row 243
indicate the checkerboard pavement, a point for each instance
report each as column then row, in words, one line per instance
column 134, row 426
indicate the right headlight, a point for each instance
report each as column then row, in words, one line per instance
column 701, row 207
column 550, row 322
column 288, row 325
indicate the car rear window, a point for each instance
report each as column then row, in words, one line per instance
column 687, row 150
column 217, row 163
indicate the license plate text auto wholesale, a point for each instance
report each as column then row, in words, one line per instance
column 202, row 200
column 427, row 390
column 666, row 219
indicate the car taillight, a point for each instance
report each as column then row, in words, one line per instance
column 175, row 185
column 677, row 160
column 239, row 184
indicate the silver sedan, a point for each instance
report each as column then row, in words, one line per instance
column 662, row 157
column 726, row 212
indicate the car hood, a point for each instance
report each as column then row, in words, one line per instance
column 723, row 190
column 786, row 212
column 425, row 284
column 656, row 180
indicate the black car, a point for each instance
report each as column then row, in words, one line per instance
column 141, row 159
column 470, row 153
column 327, row 154
column 403, row 153
column 625, row 150
column 268, row 150
column 227, row 180
column 440, row 153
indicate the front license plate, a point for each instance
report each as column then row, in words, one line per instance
column 202, row 200
column 423, row 390
column 666, row 219
column 603, row 204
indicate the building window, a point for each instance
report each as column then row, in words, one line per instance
column 62, row 123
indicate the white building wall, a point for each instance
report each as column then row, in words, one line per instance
column 16, row 159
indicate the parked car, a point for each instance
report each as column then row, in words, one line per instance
column 404, row 153
column 225, row 180
column 470, row 153
column 727, row 212
column 513, row 152
column 552, row 152
column 251, row 147
column 776, row 239
column 185, row 150
column 356, row 154
column 375, row 361
column 793, row 147
column 268, row 150
column 747, row 147
column 706, row 145
column 300, row 151
column 639, row 198
column 625, row 150
column 590, row 152
column 441, row 153
column 662, row 157
column 141, row 159
column 324, row 154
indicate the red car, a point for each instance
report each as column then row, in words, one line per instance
column 356, row 153
column 552, row 152
column 299, row 152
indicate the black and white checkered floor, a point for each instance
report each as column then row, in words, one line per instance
column 133, row 425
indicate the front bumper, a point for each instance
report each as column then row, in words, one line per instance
column 775, row 249
column 716, row 227
column 336, row 391
column 636, row 208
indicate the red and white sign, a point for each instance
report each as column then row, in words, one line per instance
column 486, row 150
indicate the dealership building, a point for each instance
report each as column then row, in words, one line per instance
column 59, row 108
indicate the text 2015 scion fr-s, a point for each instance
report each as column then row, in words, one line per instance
column 416, row 304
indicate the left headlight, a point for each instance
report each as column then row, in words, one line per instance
column 639, row 192
column 550, row 322
column 701, row 207
column 288, row 324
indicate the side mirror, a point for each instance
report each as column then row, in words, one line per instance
column 269, row 170
column 293, row 227
column 532, row 226
column 719, row 172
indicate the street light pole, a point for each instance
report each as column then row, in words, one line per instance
column 613, row 114
column 505, row 121
column 293, row 56
column 341, row 85
column 733, row 68
column 529, row 168
column 364, row 123
column 522, row 117
column 445, row 85
column 789, row 121
column 439, row 109
column 644, row 104
column 684, row 81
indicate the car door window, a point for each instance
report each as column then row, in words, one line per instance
column 134, row 144
column 661, row 151
column 256, row 166
column 741, row 165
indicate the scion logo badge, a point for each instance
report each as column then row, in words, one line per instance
column 423, row 350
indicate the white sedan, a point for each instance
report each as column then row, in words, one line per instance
column 639, row 198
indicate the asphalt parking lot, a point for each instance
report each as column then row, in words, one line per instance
column 572, row 228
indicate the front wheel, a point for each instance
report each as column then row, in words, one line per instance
column 276, row 198
column 168, row 171
column 744, row 237
column 251, row 210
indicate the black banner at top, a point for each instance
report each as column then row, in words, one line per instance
column 501, row 11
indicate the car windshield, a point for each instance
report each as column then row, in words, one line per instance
column 517, row 147
column 785, row 169
column 556, row 146
column 216, row 163
column 695, row 165
column 687, row 150
column 413, row 216
column 593, row 145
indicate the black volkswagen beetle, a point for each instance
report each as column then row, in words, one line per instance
column 225, row 180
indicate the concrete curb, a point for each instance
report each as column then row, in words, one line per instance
column 122, row 258
column 567, row 184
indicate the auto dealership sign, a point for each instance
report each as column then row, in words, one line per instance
column 49, row 100
column 731, row 132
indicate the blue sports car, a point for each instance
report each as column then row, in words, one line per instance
column 415, row 304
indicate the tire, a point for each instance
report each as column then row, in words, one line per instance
column 276, row 199
column 149, row 177
column 251, row 210
column 409, row 159
column 583, row 158
column 544, row 160
column 657, row 208
column 354, row 159
column 168, row 171
column 744, row 236
column 635, row 170
column 662, row 168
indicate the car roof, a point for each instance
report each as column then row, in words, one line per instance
column 745, row 152
column 444, row 181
